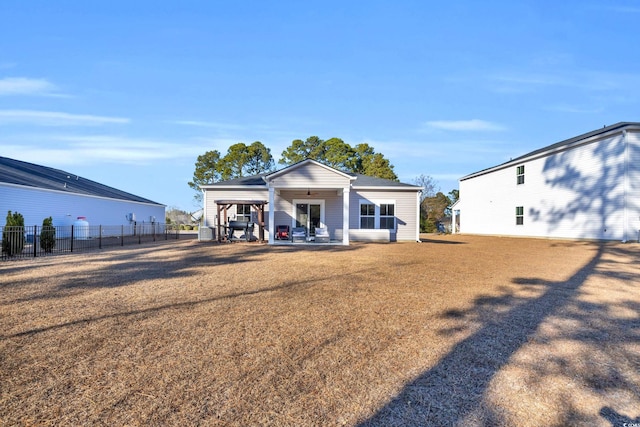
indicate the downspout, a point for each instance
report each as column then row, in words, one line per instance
column 418, row 194
column 625, row 190
column 204, row 209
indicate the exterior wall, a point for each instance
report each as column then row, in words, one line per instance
column 284, row 213
column 633, row 186
column 405, row 213
column 327, row 186
column 37, row 204
column 310, row 176
column 576, row 193
column 211, row 209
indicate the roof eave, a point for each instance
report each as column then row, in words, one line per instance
column 559, row 146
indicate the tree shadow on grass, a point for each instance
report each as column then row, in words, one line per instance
column 122, row 267
column 144, row 312
column 454, row 392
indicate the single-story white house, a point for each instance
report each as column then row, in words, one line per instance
column 586, row 187
column 38, row 192
column 311, row 195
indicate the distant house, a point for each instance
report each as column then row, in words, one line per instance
column 310, row 195
column 38, row 192
column 586, row 187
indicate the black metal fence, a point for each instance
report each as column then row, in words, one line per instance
column 35, row 241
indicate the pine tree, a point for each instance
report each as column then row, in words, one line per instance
column 48, row 235
column 13, row 234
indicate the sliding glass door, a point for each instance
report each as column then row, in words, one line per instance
column 309, row 214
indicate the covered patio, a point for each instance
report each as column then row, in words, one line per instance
column 225, row 228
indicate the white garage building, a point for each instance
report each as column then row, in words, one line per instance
column 586, row 187
column 38, row 192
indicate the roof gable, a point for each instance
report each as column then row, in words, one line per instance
column 304, row 164
column 26, row 174
column 301, row 175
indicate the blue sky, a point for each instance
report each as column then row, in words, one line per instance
column 129, row 93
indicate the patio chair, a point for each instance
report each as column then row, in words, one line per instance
column 282, row 232
column 322, row 235
column 299, row 234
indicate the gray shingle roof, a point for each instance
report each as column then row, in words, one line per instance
column 370, row 181
column 245, row 180
column 31, row 175
column 360, row 182
column 557, row 145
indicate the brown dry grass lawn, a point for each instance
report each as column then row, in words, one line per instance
column 459, row 330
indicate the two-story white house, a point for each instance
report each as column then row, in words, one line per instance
column 586, row 187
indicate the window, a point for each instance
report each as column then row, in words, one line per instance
column 520, row 174
column 377, row 214
column 519, row 215
column 243, row 213
column 367, row 215
column 387, row 216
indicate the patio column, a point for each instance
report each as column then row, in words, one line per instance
column 345, row 216
column 272, row 215
column 454, row 214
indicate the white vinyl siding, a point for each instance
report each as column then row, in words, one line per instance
column 211, row 209
column 575, row 193
column 406, row 221
column 310, row 176
column 633, row 186
column 37, row 204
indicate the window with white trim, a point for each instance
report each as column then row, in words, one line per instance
column 243, row 213
column 519, row 215
column 520, row 174
column 378, row 214
column 387, row 216
column 367, row 215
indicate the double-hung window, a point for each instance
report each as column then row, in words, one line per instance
column 520, row 174
column 377, row 215
column 243, row 213
column 387, row 216
column 519, row 215
column 367, row 215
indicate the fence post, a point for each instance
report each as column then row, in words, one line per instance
column 35, row 239
column 122, row 235
column 72, row 237
column 153, row 224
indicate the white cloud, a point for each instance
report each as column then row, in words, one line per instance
column 54, row 118
column 95, row 149
column 205, row 124
column 464, row 125
column 26, row 86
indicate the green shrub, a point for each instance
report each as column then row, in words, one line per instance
column 13, row 234
column 430, row 226
column 48, row 235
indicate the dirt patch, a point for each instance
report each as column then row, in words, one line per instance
column 459, row 330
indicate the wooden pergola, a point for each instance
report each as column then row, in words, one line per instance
column 224, row 205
